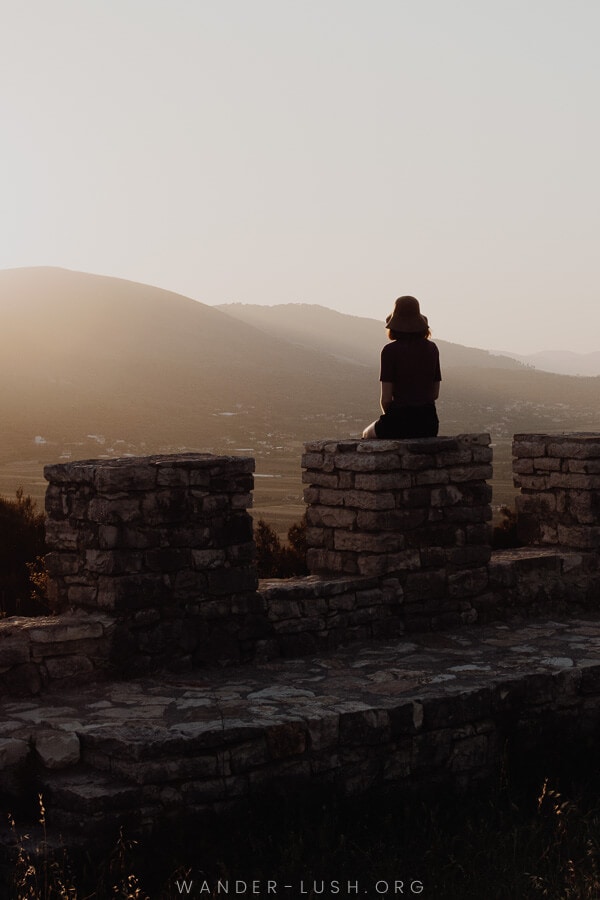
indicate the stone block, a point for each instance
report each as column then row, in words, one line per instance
column 330, row 517
column 460, row 474
column 372, row 564
column 582, row 466
column 114, row 511
column 459, row 457
column 414, row 498
column 56, row 502
column 77, row 473
column 432, row 477
column 213, row 558
column 383, row 481
column 407, row 560
column 581, row 446
column 315, row 537
column 286, row 739
column 248, row 755
column 13, row 752
column 547, row 464
column 465, row 515
column 61, row 535
column 469, row 754
column 57, row 749
column 69, row 667
column 320, row 479
column 167, row 559
column 523, row 466
column 14, row 651
column 396, row 520
column 82, row 595
column 576, row 482
column 446, row 496
column 474, row 440
column 468, row 583
column 364, row 727
column 324, row 731
column 528, row 446
column 428, row 584
column 112, row 562
column 579, row 536
column 65, row 628
column 312, row 460
column 360, row 542
column 60, row 563
column 329, row 498
column 312, row 495
column 241, row 554
column 362, row 462
column 369, row 500
column 482, row 454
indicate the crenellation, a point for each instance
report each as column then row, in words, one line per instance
column 560, row 489
column 159, row 553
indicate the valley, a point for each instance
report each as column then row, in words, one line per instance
column 95, row 367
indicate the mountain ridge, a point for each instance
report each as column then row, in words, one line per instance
column 93, row 365
column 361, row 340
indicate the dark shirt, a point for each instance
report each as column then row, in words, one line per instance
column 413, row 367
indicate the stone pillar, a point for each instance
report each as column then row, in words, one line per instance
column 418, row 510
column 559, row 479
column 162, row 543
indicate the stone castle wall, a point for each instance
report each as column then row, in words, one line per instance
column 154, row 560
column 163, row 544
column 559, row 479
column 153, row 557
column 417, row 510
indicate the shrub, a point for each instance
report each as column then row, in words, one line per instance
column 504, row 535
column 22, row 548
column 277, row 560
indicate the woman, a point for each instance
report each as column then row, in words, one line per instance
column 410, row 376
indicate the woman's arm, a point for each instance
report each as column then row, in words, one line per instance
column 387, row 395
column 436, row 389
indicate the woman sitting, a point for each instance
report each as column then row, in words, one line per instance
column 410, row 376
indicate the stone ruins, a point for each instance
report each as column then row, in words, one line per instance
column 171, row 679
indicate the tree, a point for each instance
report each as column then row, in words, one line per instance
column 22, row 548
column 275, row 560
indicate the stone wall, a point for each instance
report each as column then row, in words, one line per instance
column 154, row 558
column 559, row 479
column 75, row 646
column 164, row 544
column 417, row 510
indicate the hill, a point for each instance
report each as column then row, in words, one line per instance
column 352, row 338
column 94, row 366
column 563, row 362
column 86, row 354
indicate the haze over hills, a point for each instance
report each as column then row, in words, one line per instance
column 93, row 366
column 563, row 362
column 352, row 338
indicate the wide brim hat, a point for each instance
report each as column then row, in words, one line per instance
column 407, row 316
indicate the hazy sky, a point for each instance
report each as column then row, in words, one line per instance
column 339, row 152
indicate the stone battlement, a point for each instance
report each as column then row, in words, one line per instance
column 559, row 479
column 339, row 678
column 151, row 559
column 417, row 510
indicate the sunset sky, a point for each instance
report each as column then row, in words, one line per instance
column 338, row 152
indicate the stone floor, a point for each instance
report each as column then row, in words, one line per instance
column 422, row 707
column 356, row 677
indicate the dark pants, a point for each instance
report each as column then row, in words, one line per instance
column 408, row 422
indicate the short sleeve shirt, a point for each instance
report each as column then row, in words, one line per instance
column 413, row 368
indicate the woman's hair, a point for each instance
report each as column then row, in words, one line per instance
column 408, row 335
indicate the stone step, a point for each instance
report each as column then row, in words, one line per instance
column 436, row 708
